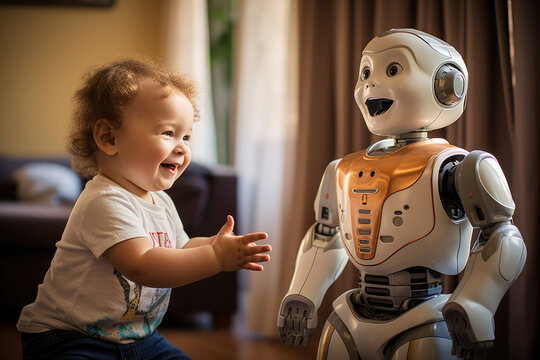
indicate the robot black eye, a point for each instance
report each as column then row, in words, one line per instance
column 365, row 73
column 393, row 69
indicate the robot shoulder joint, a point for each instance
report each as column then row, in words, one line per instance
column 483, row 189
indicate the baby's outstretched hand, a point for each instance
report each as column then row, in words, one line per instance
column 236, row 252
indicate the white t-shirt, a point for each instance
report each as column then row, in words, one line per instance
column 82, row 290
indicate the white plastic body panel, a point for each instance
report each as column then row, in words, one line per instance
column 494, row 182
column 316, row 268
column 320, row 259
column 433, row 348
column 423, row 234
column 371, row 336
column 491, row 270
column 336, row 349
column 325, row 204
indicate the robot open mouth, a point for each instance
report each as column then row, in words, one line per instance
column 378, row 106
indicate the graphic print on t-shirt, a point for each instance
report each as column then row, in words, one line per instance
column 131, row 304
column 144, row 306
column 144, row 310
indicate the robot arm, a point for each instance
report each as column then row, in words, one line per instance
column 320, row 260
column 496, row 259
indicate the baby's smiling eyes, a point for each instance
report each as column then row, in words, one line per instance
column 171, row 134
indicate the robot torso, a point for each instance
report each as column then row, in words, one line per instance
column 390, row 213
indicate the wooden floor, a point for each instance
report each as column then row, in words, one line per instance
column 234, row 343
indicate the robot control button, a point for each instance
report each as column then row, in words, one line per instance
column 397, row 221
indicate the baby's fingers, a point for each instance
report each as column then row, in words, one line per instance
column 256, row 249
column 249, row 238
column 257, row 258
column 253, row 267
column 228, row 227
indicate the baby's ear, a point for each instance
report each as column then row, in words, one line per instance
column 104, row 137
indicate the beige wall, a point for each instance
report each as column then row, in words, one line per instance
column 44, row 51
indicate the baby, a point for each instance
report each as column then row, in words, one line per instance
column 124, row 245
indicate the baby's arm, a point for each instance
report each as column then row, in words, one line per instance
column 199, row 241
column 163, row 267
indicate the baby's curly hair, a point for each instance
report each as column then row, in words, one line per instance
column 105, row 95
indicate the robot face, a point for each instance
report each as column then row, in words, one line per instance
column 395, row 89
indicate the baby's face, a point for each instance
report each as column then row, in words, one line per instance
column 153, row 140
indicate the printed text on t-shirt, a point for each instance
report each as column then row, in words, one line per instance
column 160, row 239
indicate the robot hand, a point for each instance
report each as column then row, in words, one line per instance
column 297, row 320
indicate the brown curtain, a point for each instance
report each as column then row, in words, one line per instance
column 497, row 41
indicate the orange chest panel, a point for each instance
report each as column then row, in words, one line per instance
column 368, row 181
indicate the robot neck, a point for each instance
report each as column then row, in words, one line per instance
column 409, row 138
column 388, row 146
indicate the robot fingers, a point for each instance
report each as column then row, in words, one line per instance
column 288, row 338
column 297, row 320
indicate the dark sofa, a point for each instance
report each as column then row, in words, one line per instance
column 28, row 233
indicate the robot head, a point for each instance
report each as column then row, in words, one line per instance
column 410, row 81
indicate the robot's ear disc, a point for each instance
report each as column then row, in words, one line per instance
column 449, row 84
column 378, row 106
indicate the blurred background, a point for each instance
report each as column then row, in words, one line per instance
column 276, row 80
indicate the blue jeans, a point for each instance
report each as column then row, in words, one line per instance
column 62, row 344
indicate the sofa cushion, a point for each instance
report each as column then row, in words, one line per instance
column 8, row 165
column 47, row 183
column 27, row 225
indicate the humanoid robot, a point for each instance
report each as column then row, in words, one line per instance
column 403, row 211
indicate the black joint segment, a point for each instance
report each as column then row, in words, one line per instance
column 447, row 189
column 325, row 213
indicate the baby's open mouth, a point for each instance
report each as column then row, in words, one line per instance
column 170, row 167
column 378, row 106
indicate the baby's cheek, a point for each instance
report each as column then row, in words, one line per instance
column 187, row 156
